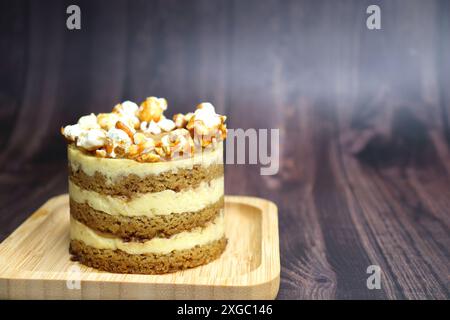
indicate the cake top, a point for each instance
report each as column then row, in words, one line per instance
column 144, row 134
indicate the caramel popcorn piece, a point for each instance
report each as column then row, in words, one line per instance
column 152, row 109
column 107, row 120
column 153, row 128
column 166, row 125
column 127, row 112
column 179, row 120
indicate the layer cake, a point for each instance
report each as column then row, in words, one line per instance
column 146, row 192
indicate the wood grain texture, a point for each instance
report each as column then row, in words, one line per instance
column 364, row 117
column 35, row 261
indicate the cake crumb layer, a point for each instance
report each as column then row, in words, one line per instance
column 130, row 185
column 142, row 227
column 117, row 261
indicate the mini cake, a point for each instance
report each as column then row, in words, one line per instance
column 146, row 192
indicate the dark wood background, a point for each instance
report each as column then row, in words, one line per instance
column 364, row 119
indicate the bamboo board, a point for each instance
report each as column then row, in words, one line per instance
column 35, row 262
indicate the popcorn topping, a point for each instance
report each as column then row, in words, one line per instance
column 119, row 141
column 153, row 128
column 108, row 120
column 119, row 137
column 179, row 120
column 127, row 112
column 166, row 125
column 205, row 113
column 152, row 109
column 207, row 126
column 128, row 108
column 88, row 122
column 91, row 139
column 72, row 132
column 144, row 134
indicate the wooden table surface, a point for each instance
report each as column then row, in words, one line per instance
column 364, row 119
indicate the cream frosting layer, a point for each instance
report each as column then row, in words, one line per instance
column 181, row 241
column 150, row 204
column 116, row 168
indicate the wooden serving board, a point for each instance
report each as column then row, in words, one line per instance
column 35, row 262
